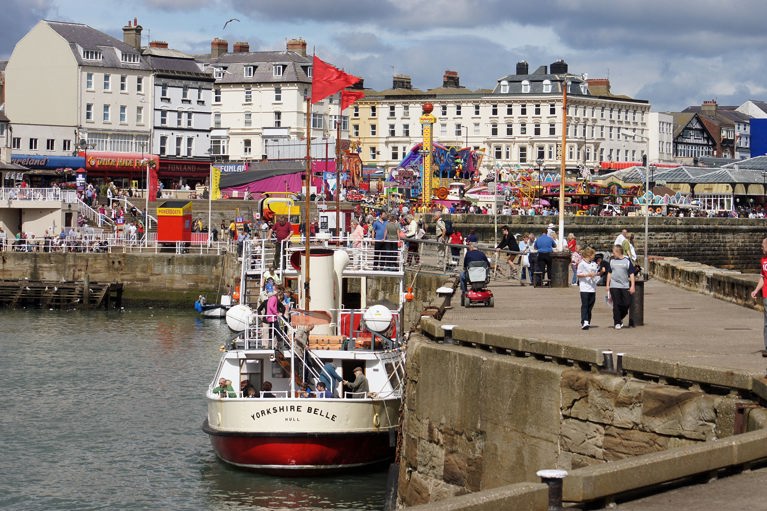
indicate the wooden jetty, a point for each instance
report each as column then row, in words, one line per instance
column 44, row 294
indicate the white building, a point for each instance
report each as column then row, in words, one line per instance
column 68, row 81
column 259, row 97
column 661, row 137
column 519, row 121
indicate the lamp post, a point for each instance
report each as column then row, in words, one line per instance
column 562, row 168
column 539, row 162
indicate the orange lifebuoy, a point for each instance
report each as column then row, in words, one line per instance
column 268, row 214
column 442, row 193
column 659, row 209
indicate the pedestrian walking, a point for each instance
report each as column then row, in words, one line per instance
column 761, row 287
column 620, row 285
column 588, row 276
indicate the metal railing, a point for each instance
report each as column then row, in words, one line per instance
column 37, row 194
column 97, row 241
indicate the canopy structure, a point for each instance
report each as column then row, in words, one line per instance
column 269, row 176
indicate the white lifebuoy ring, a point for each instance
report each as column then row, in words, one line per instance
column 376, row 421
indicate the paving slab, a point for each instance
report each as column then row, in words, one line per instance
column 679, row 326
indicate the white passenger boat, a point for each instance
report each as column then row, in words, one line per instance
column 284, row 429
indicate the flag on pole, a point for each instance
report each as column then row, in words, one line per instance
column 327, row 80
column 154, row 182
column 349, row 97
column 215, row 182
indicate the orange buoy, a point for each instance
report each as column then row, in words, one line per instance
column 409, row 295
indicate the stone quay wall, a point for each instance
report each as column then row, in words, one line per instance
column 477, row 420
column 163, row 280
column 731, row 243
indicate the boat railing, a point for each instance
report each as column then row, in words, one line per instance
column 366, row 256
column 278, row 394
column 360, row 333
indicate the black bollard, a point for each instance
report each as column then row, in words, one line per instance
column 607, row 358
column 636, row 310
column 553, row 479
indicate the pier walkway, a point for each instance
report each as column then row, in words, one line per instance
column 679, row 326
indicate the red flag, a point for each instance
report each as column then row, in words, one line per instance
column 327, row 80
column 154, row 184
column 349, row 97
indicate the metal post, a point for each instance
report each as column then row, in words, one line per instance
column 495, row 206
column 146, row 207
column 560, row 242
column 308, row 201
column 553, row 479
column 338, row 172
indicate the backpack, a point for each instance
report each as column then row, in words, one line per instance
column 448, row 227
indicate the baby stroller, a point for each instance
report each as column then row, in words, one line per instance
column 477, row 279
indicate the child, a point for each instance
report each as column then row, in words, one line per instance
column 588, row 277
column 455, row 252
column 575, row 259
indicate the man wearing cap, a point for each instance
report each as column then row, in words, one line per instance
column 360, row 383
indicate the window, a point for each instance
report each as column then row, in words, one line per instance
column 444, row 110
column 277, row 70
column 355, row 130
column 537, row 109
column 552, row 109
column 525, row 89
column 129, row 58
column 247, row 146
column 509, row 109
column 584, row 88
column 372, row 111
column 541, row 152
column 107, row 113
column 164, row 91
column 537, row 130
column 405, row 110
column 392, row 110
column 16, row 143
column 185, row 94
column 277, row 119
column 123, row 83
column 395, row 153
column 457, row 109
column 91, row 55
column 164, row 118
column 476, row 109
column 405, row 130
column 249, row 72
column 140, row 84
column 217, row 120
column 89, row 112
column 493, row 129
column 189, row 119
column 163, row 145
column 218, row 73
column 278, row 93
column 552, row 129
column 443, row 129
column 546, row 85
column 123, row 113
column 50, row 144
column 504, row 87
column 523, row 109
column 66, row 145
column 248, row 119
column 509, row 129
column 248, row 94
column 179, row 141
column 179, row 118
column 372, row 130
column 392, row 131
column 89, row 81
column 139, row 115
column 458, row 130
column 493, row 109
column 33, row 144
column 217, row 146
column 107, row 81
column 508, row 153
column 189, row 146
column 522, row 154
column 523, row 128
column 498, row 152
column 217, row 95
column 356, row 111
column 318, row 122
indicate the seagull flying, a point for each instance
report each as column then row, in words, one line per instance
column 231, row 20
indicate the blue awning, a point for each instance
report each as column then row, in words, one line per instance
column 39, row 161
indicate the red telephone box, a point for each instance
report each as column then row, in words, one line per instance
column 174, row 221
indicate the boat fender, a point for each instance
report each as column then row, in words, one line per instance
column 376, row 420
column 198, row 306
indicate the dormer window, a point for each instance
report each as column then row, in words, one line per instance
column 504, row 87
column 546, row 85
column 92, row 55
column 309, row 71
column 218, row 73
column 525, row 86
column 249, row 71
column 584, row 88
column 129, row 58
column 277, row 70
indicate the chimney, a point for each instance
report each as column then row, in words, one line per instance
column 241, row 47
column 297, row 46
column 522, row 68
column 559, row 67
column 132, row 34
column 402, row 82
column 158, row 44
column 709, row 106
column 218, row 47
column 451, row 79
column 599, row 86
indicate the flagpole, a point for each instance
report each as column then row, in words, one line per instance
column 338, row 166
column 210, row 201
column 308, row 204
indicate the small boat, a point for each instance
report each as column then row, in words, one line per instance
column 213, row 310
column 276, row 418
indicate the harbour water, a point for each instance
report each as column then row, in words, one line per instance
column 103, row 411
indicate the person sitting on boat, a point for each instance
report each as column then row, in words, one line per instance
column 225, row 388
column 330, row 378
column 360, row 384
column 250, row 391
column 266, row 390
column 322, row 391
column 305, row 390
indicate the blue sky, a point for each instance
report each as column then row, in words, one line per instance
column 673, row 53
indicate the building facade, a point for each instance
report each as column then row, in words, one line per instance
column 519, row 121
column 260, row 97
column 660, row 128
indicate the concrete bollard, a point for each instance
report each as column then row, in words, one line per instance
column 446, row 293
column 553, row 479
column 448, row 333
column 560, row 269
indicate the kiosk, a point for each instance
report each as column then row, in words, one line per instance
column 174, row 221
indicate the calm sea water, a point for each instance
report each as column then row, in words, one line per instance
column 103, row 411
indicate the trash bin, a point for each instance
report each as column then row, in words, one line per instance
column 560, row 269
column 636, row 311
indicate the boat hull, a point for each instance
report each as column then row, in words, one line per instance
column 301, row 454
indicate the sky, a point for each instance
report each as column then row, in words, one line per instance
column 674, row 53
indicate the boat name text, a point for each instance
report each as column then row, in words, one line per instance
column 310, row 410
